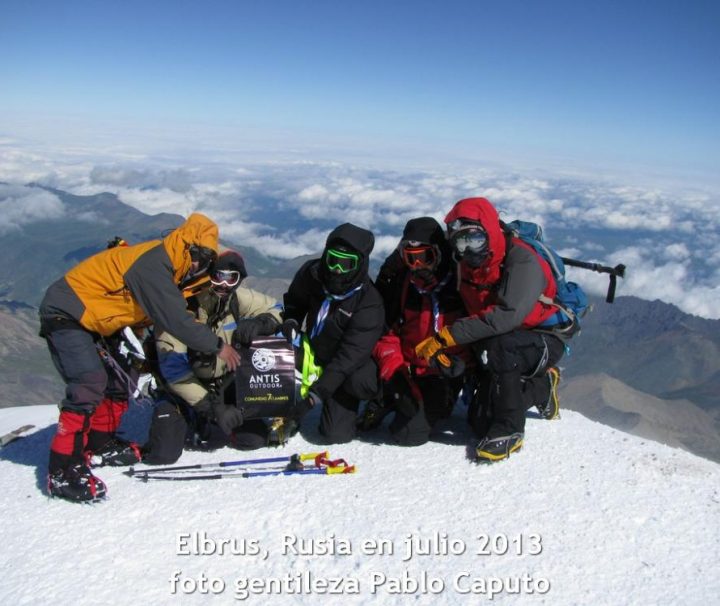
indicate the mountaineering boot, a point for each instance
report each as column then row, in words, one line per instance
column 104, row 423
column 497, row 449
column 373, row 415
column 103, row 447
column 115, row 453
column 551, row 408
column 76, row 483
column 68, row 475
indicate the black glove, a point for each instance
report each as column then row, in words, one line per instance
column 250, row 328
column 245, row 332
column 290, row 329
column 268, row 324
column 226, row 416
column 456, row 368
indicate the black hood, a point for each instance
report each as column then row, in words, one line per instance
column 359, row 239
column 356, row 239
column 424, row 229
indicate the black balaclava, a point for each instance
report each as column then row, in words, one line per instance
column 348, row 238
column 427, row 230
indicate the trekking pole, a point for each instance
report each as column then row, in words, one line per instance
column 296, row 460
column 329, row 471
column 615, row 272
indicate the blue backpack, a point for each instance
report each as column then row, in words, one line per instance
column 570, row 300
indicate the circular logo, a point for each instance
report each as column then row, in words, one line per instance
column 263, row 360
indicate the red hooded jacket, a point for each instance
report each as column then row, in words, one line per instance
column 504, row 290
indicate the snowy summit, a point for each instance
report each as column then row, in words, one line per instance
column 583, row 514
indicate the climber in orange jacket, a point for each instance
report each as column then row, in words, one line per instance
column 119, row 287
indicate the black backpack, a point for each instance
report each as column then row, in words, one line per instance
column 167, row 435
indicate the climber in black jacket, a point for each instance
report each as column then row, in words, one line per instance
column 344, row 318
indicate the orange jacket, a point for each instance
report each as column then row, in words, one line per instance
column 99, row 280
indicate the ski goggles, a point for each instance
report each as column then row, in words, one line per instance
column 341, row 262
column 419, row 256
column 469, row 240
column 225, row 277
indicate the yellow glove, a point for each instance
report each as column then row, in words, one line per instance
column 428, row 348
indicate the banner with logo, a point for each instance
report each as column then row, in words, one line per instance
column 265, row 379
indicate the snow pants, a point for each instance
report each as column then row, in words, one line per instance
column 95, row 399
column 418, row 406
column 511, row 379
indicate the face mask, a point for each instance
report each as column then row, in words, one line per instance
column 424, row 278
column 475, row 259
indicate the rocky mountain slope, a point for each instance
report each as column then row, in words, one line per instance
column 678, row 423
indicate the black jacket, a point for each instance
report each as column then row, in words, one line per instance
column 352, row 326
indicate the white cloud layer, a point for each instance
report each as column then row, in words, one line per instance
column 669, row 239
column 23, row 205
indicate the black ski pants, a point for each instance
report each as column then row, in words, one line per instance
column 511, row 379
column 339, row 413
column 415, row 417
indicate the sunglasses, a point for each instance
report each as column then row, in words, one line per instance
column 225, row 277
column 341, row 262
column 473, row 240
column 420, row 257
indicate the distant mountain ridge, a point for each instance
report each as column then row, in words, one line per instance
column 27, row 375
column 39, row 252
column 652, row 346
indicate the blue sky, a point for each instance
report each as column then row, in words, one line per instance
column 280, row 119
column 625, row 83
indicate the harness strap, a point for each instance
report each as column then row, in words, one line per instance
column 566, row 310
column 132, row 386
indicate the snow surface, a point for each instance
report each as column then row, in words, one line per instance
column 618, row 519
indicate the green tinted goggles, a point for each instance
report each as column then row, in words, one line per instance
column 341, row 262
